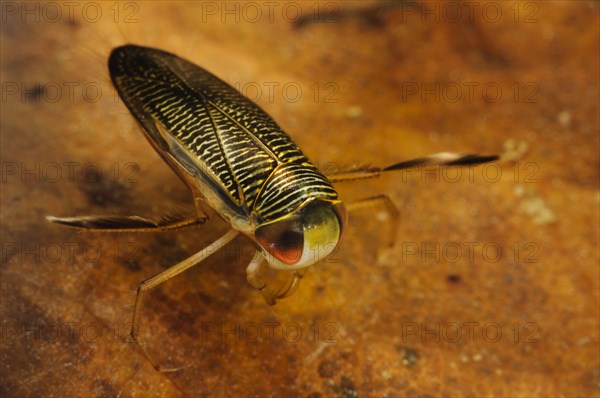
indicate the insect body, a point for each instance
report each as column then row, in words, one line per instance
column 232, row 154
column 236, row 159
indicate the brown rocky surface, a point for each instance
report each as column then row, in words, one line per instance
column 490, row 289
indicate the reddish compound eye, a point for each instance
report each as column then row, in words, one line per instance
column 284, row 240
column 304, row 238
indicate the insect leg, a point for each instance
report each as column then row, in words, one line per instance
column 126, row 223
column 253, row 270
column 292, row 284
column 437, row 159
column 391, row 208
column 166, row 275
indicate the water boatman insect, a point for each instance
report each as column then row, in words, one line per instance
column 237, row 160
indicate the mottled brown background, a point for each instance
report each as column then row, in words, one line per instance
column 391, row 322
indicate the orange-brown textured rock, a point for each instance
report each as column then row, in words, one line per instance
column 490, row 289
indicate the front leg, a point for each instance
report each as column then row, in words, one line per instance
column 252, row 273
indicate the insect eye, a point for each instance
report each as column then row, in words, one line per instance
column 306, row 237
column 283, row 239
column 289, row 242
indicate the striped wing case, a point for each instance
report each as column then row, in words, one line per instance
column 210, row 128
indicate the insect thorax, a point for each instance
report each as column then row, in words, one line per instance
column 290, row 186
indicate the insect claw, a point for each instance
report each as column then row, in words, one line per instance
column 267, row 294
column 269, row 297
column 291, row 285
